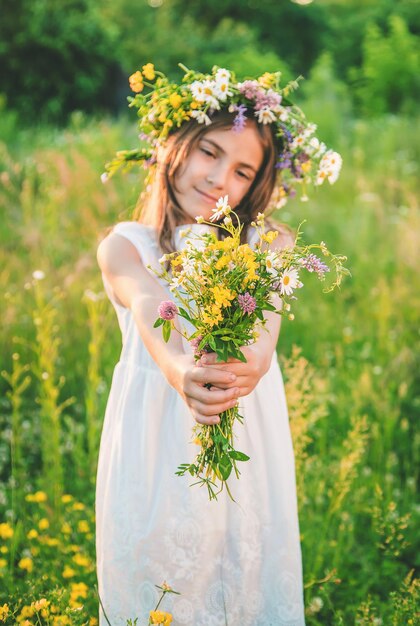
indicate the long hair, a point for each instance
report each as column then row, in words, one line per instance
column 161, row 209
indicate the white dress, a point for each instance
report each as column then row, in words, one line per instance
column 234, row 564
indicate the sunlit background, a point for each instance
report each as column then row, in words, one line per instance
column 350, row 359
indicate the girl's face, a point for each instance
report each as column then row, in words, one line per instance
column 224, row 162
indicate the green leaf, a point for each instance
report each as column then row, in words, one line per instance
column 184, row 314
column 158, row 322
column 238, row 456
column 166, row 330
column 225, row 466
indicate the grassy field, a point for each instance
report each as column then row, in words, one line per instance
column 350, row 360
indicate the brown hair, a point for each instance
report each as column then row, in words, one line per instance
column 161, row 208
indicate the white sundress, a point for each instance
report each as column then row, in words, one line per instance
column 234, row 564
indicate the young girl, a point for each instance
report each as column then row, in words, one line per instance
column 234, row 563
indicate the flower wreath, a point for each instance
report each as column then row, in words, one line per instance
column 303, row 159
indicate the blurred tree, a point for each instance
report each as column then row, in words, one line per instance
column 55, row 57
column 388, row 79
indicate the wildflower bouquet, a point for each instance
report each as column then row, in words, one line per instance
column 222, row 288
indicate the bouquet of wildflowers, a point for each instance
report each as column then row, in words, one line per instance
column 222, row 288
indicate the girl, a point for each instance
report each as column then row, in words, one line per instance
column 236, row 564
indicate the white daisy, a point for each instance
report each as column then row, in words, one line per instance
column 201, row 117
column 222, row 208
column 40, row 275
column 265, row 116
column 272, row 263
column 289, row 280
column 222, row 75
column 197, row 90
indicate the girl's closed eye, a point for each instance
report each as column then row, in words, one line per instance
column 207, row 151
column 243, row 175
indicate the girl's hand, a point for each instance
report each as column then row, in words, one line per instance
column 190, row 380
column 247, row 374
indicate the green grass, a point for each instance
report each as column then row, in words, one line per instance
column 351, row 388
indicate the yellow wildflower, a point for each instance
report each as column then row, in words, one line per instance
column 61, row 620
column 68, row 572
column 81, row 560
column 27, row 611
column 83, row 526
column 66, row 498
column 27, row 622
column 80, row 589
column 267, row 80
column 149, row 71
column 194, row 105
column 93, row 621
column 306, row 167
column 3, row 563
column 40, row 604
column 270, row 236
column 175, row 100
column 66, row 528
column 32, row 534
column 160, row 617
column 51, row 541
column 212, row 316
column 222, row 295
column 4, row 549
column 136, row 82
column 34, row 551
column 4, row 611
column 43, row 524
column 38, row 496
column 26, row 563
column 222, row 262
column 78, row 506
column 6, row 531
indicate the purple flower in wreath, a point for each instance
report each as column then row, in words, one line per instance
column 240, row 118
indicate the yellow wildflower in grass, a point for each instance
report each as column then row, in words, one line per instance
column 81, row 560
column 93, row 621
column 66, row 528
column 38, row 605
column 149, row 71
column 61, row 620
column 66, row 498
column 160, row 617
column 6, row 531
column 136, row 82
column 38, row 496
column 34, row 551
column 27, row 622
column 3, row 564
column 32, row 534
column 175, row 100
column 4, row 612
column 83, row 526
column 51, row 541
column 68, row 572
column 26, row 563
column 27, row 611
column 78, row 506
column 222, row 295
column 4, row 549
column 43, row 524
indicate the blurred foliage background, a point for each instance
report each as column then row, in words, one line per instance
column 350, row 359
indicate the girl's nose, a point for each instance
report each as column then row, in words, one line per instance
column 218, row 177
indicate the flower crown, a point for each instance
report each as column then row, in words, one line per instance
column 303, row 159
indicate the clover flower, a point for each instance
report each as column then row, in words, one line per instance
column 167, row 310
column 247, row 303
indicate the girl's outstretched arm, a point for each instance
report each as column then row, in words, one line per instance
column 136, row 289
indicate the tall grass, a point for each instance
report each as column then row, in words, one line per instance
column 350, row 361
